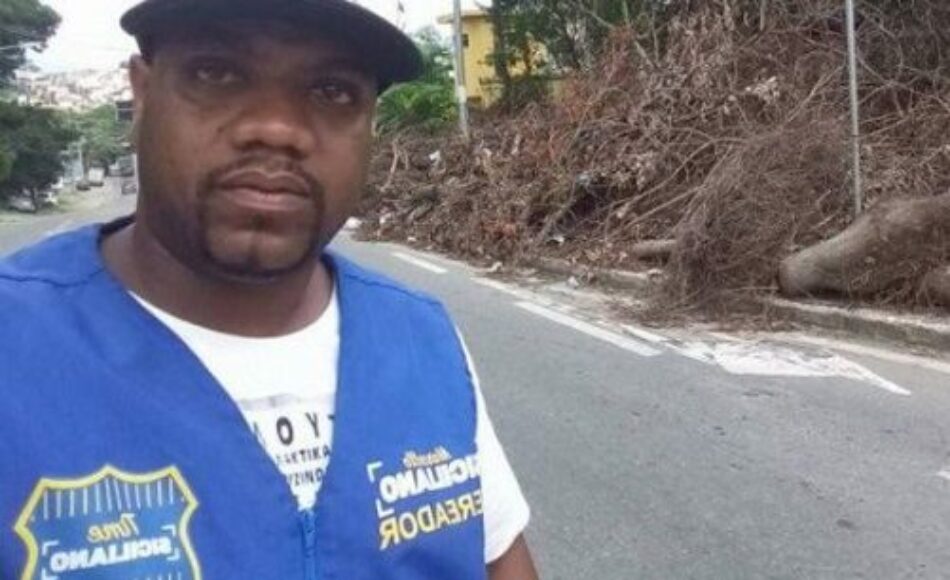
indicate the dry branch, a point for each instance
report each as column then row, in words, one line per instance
column 731, row 140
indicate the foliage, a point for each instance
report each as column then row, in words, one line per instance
column 36, row 137
column 103, row 136
column 427, row 106
column 22, row 23
column 574, row 32
column 436, row 57
column 6, row 164
column 428, row 103
column 32, row 139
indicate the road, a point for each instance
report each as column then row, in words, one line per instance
column 100, row 204
column 685, row 453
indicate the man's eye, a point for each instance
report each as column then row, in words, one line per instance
column 216, row 74
column 336, row 93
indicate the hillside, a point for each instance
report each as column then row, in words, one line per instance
column 721, row 156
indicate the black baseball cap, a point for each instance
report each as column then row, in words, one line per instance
column 385, row 49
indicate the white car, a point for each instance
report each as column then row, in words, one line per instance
column 21, row 203
column 49, row 198
column 96, row 177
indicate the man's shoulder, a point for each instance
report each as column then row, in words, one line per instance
column 37, row 286
column 64, row 260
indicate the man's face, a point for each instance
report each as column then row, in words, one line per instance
column 253, row 143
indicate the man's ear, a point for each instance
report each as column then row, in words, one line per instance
column 139, row 73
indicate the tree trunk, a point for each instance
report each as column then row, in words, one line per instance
column 499, row 17
column 896, row 241
column 34, row 200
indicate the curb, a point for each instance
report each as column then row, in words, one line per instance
column 617, row 279
column 907, row 329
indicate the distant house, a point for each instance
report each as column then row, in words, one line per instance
column 75, row 90
column 478, row 47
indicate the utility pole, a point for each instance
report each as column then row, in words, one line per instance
column 855, row 109
column 460, row 93
column 82, row 156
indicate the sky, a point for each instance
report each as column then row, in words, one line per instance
column 90, row 38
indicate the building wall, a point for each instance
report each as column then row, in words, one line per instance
column 480, row 82
column 481, row 85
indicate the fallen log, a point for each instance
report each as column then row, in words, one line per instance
column 935, row 288
column 654, row 249
column 896, row 241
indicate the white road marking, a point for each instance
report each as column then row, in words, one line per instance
column 420, row 263
column 945, row 474
column 758, row 358
column 519, row 293
column 879, row 353
column 733, row 354
column 769, row 359
column 725, row 337
column 645, row 334
column 495, row 285
column 617, row 340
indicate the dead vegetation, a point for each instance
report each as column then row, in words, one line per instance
column 724, row 154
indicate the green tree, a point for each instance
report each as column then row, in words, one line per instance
column 37, row 137
column 22, row 23
column 104, row 137
column 31, row 139
column 574, row 31
column 6, row 163
column 428, row 103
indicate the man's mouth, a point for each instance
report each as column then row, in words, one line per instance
column 263, row 191
column 273, row 183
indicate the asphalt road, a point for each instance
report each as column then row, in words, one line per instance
column 99, row 204
column 688, row 454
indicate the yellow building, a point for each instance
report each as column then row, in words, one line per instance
column 478, row 45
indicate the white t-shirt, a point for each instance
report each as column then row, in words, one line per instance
column 286, row 389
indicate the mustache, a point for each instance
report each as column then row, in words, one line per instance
column 261, row 163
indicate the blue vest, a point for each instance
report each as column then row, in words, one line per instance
column 121, row 457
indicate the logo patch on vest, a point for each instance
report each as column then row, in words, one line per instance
column 425, row 494
column 111, row 524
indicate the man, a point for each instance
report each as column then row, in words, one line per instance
column 202, row 391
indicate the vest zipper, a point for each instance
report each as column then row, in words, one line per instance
column 309, row 544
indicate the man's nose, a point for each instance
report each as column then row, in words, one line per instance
column 278, row 121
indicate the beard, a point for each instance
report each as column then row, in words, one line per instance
column 217, row 238
column 259, row 246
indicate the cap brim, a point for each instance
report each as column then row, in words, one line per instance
column 389, row 53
